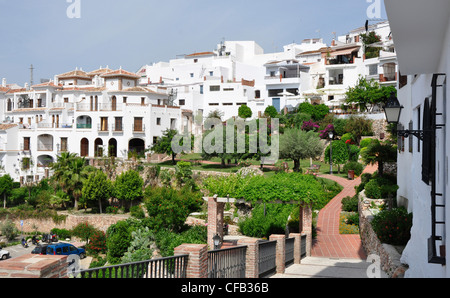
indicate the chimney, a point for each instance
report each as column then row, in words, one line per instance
column 333, row 42
column 3, row 82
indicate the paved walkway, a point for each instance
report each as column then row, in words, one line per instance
column 319, row 267
column 329, row 243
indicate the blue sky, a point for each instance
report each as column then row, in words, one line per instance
column 132, row 33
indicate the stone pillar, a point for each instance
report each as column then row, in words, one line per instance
column 252, row 257
column 305, row 226
column 35, row 266
column 280, row 252
column 215, row 220
column 297, row 247
column 197, row 266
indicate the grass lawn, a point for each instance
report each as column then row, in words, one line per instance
column 197, row 164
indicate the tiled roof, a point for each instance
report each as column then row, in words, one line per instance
column 7, row 126
column 200, row 54
column 99, row 71
column 74, row 74
column 120, row 73
column 47, row 84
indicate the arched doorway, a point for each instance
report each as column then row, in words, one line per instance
column 98, row 147
column 112, row 147
column 136, row 146
column 84, row 148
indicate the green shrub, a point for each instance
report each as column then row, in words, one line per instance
column 348, row 136
column 355, row 166
column 62, row 233
column 350, row 204
column 393, row 226
column 372, row 189
column 137, row 211
column 266, row 219
column 380, row 187
column 168, row 208
column 366, row 142
column 118, row 239
column 167, row 240
column 97, row 243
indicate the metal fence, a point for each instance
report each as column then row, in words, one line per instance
column 170, row 267
column 267, row 257
column 227, row 262
column 303, row 247
column 289, row 251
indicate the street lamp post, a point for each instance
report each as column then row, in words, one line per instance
column 330, row 135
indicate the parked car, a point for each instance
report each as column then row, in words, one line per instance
column 4, row 254
column 65, row 249
column 40, row 249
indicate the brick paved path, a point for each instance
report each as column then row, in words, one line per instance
column 329, row 243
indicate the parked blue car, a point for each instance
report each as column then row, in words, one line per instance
column 65, row 249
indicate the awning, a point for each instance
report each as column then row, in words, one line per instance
column 344, row 51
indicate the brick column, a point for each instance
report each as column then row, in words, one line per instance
column 297, row 247
column 252, row 257
column 305, row 223
column 215, row 220
column 197, row 266
column 34, row 266
column 280, row 252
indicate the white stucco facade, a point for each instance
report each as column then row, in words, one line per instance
column 413, row 33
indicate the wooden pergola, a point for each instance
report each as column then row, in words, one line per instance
column 216, row 218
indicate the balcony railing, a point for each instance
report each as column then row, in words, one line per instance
column 84, row 126
column 267, row 257
column 103, row 128
column 170, row 267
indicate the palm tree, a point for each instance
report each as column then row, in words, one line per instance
column 69, row 172
column 77, row 174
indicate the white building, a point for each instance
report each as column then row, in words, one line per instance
column 421, row 34
column 92, row 114
column 334, row 69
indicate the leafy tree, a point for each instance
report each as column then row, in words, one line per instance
column 163, row 144
column 244, row 112
column 297, row 144
column 97, row 188
column 6, row 186
column 128, row 186
column 358, row 127
column 140, row 246
column 271, row 111
column 84, row 231
column 339, row 154
column 367, row 94
column 317, row 112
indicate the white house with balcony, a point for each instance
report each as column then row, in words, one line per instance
column 421, row 33
column 93, row 114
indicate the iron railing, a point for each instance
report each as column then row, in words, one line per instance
column 170, row 267
column 289, row 251
column 267, row 257
column 227, row 262
column 303, row 247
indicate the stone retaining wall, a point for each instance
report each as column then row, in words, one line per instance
column 99, row 221
column 389, row 256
